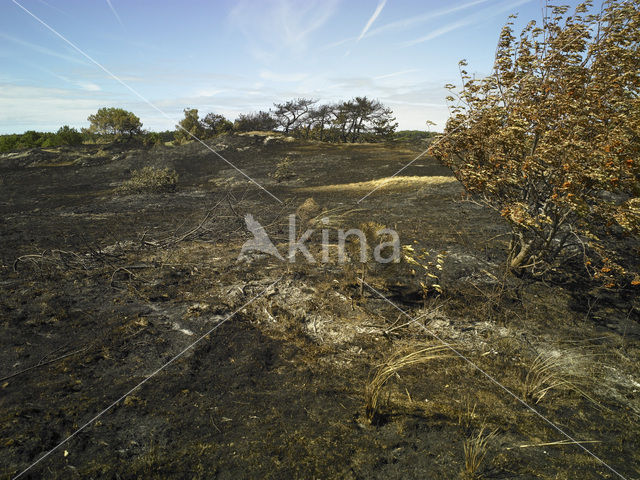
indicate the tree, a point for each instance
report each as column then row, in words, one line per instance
column 214, row 124
column 319, row 119
column 189, row 127
column 260, row 121
column 551, row 139
column 362, row 119
column 114, row 122
column 290, row 114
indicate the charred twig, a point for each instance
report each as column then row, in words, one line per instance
column 126, row 270
column 58, row 257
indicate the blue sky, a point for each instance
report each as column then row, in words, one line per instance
column 232, row 57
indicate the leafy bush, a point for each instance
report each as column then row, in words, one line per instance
column 150, row 179
column 152, row 138
column 551, row 139
column 68, row 136
column 215, row 124
column 260, row 121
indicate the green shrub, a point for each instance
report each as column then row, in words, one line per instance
column 150, row 179
column 68, row 136
column 8, row 142
column 152, row 138
column 260, row 121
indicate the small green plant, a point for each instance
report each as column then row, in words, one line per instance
column 150, row 179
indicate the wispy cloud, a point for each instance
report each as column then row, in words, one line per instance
column 405, row 23
column 47, row 4
column 85, row 85
column 396, row 74
column 438, row 32
column 372, row 19
column 209, row 93
column 414, row 20
column 43, row 50
column 273, row 25
column 88, row 86
column 466, row 21
column 115, row 13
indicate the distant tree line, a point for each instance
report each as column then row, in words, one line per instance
column 32, row 139
column 357, row 120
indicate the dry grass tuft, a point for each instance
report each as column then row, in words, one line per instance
column 557, row 371
column 398, row 361
column 467, row 416
column 475, row 451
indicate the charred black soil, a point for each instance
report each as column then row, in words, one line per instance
column 99, row 289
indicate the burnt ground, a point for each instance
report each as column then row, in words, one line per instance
column 99, row 289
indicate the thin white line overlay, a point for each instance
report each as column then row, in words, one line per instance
column 140, row 96
column 182, row 352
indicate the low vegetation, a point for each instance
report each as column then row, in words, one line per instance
column 150, row 180
column 65, row 136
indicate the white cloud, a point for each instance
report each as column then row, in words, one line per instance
column 25, row 107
